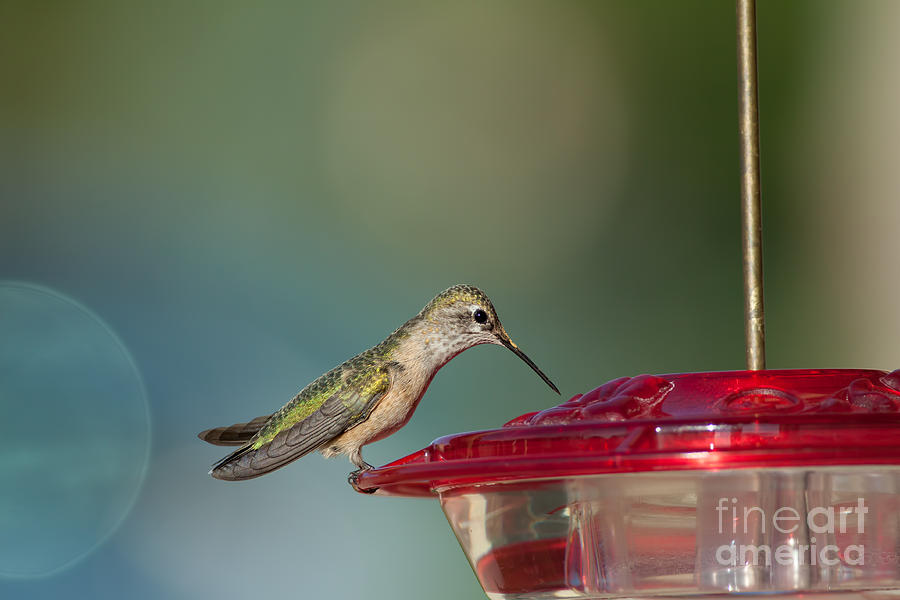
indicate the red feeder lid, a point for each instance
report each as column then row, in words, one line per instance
column 732, row 419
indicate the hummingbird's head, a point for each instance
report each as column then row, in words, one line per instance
column 466, row 317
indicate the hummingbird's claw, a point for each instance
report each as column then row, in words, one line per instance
column 353, row 480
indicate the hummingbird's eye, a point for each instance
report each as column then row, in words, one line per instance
column 479, row 315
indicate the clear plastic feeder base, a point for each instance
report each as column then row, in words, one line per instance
column 684, row 534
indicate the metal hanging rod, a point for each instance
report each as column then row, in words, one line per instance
column 751, row 219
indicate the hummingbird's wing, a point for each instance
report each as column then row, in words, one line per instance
column 322, row 411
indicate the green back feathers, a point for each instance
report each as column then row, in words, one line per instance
column 309, row 400
column 355, row 382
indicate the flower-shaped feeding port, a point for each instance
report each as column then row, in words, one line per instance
column 698, row 483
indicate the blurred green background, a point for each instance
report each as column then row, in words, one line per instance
column 246, row 194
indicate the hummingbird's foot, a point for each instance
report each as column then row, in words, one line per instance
column 353, row 480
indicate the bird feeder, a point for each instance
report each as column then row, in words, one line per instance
column 781, row 482
column 695, row 483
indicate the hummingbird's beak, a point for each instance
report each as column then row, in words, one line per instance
column 506, row 341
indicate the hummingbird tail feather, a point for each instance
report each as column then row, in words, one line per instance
column 234, row 435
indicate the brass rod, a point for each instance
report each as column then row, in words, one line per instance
column 751, row 219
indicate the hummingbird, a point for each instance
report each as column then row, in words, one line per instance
column 369, row 396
